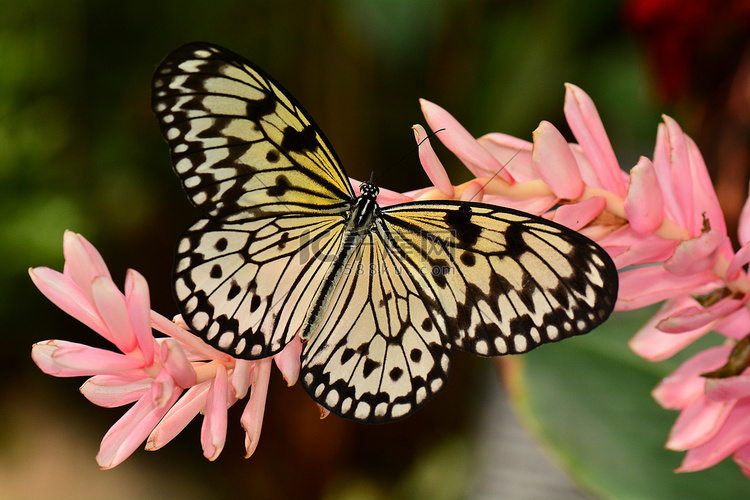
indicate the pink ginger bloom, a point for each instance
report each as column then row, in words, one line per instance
column 170, row 379
column 664, row 229
column 661, row 223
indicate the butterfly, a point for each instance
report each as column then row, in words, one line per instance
column 380, row 296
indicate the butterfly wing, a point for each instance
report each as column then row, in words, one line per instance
column 245, row 287
column 380, row 352
column 506, row 281
column 274, row 193
column 242, row 146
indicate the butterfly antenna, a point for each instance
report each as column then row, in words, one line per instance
column 494, row 175
column 372, row 181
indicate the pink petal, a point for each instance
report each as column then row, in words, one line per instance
column 697, row 423
column 184, row 336
column 388, row 197
column 696, row 254
column 288, row 361
column 176, row 363
column 704, row 196
column 664, row 172
column 111, row 391
column 139, row 311
column 742, row 458
column 694, row 317
column 431, row 163
column 644, row 205
column 535, row 205
column 512, row 152
column 82, row 262
column 739, row 260
column 578, row 215
column 324, row 412
column 473, row 191
column 242, row 377
column 728, row 389
column 252, row 416
column 179, row 416
column 679, row 170
column 648, row 285
column 110, row 303
column 161, row 388
column 214, row 429
column 66, row 295
column 653, row 344
column 69, row 359
column 588, row 129
column 131, row 430
column 461, row 143
column 637, row 248
column 735, row 324
column 733, row 435
column 743, row 231
column 555, row 164
column 685, row 384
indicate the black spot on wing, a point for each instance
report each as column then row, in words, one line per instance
column 272, row 156
column 216, row 271
column 461, row 225
column 300, row 141
column 369, row 366
column 515, row 245
column 280, row 188
column 234, row 290
column 259, row 108
column 468, row 259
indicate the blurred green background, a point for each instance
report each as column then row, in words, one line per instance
column 81, row 150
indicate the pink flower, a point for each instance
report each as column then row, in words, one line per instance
column 170, row 379
column 665, row 231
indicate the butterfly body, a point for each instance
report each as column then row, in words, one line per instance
column 358, row 224
column 380, row 295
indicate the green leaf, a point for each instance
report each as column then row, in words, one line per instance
column 588, row 401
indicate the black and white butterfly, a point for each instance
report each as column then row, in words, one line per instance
column 379, row 295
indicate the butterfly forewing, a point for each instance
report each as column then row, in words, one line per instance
column 241, row 146
column 506, row 281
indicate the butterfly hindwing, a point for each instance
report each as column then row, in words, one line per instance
column 380, row 353
column 242, row 146
column 245, row 287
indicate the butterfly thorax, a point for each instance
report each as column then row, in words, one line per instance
column 358, row 225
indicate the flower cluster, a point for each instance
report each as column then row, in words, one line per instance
column 170, row 379
column 661, row 223
column 664, row 228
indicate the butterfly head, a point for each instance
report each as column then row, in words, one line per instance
column 368, row 190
